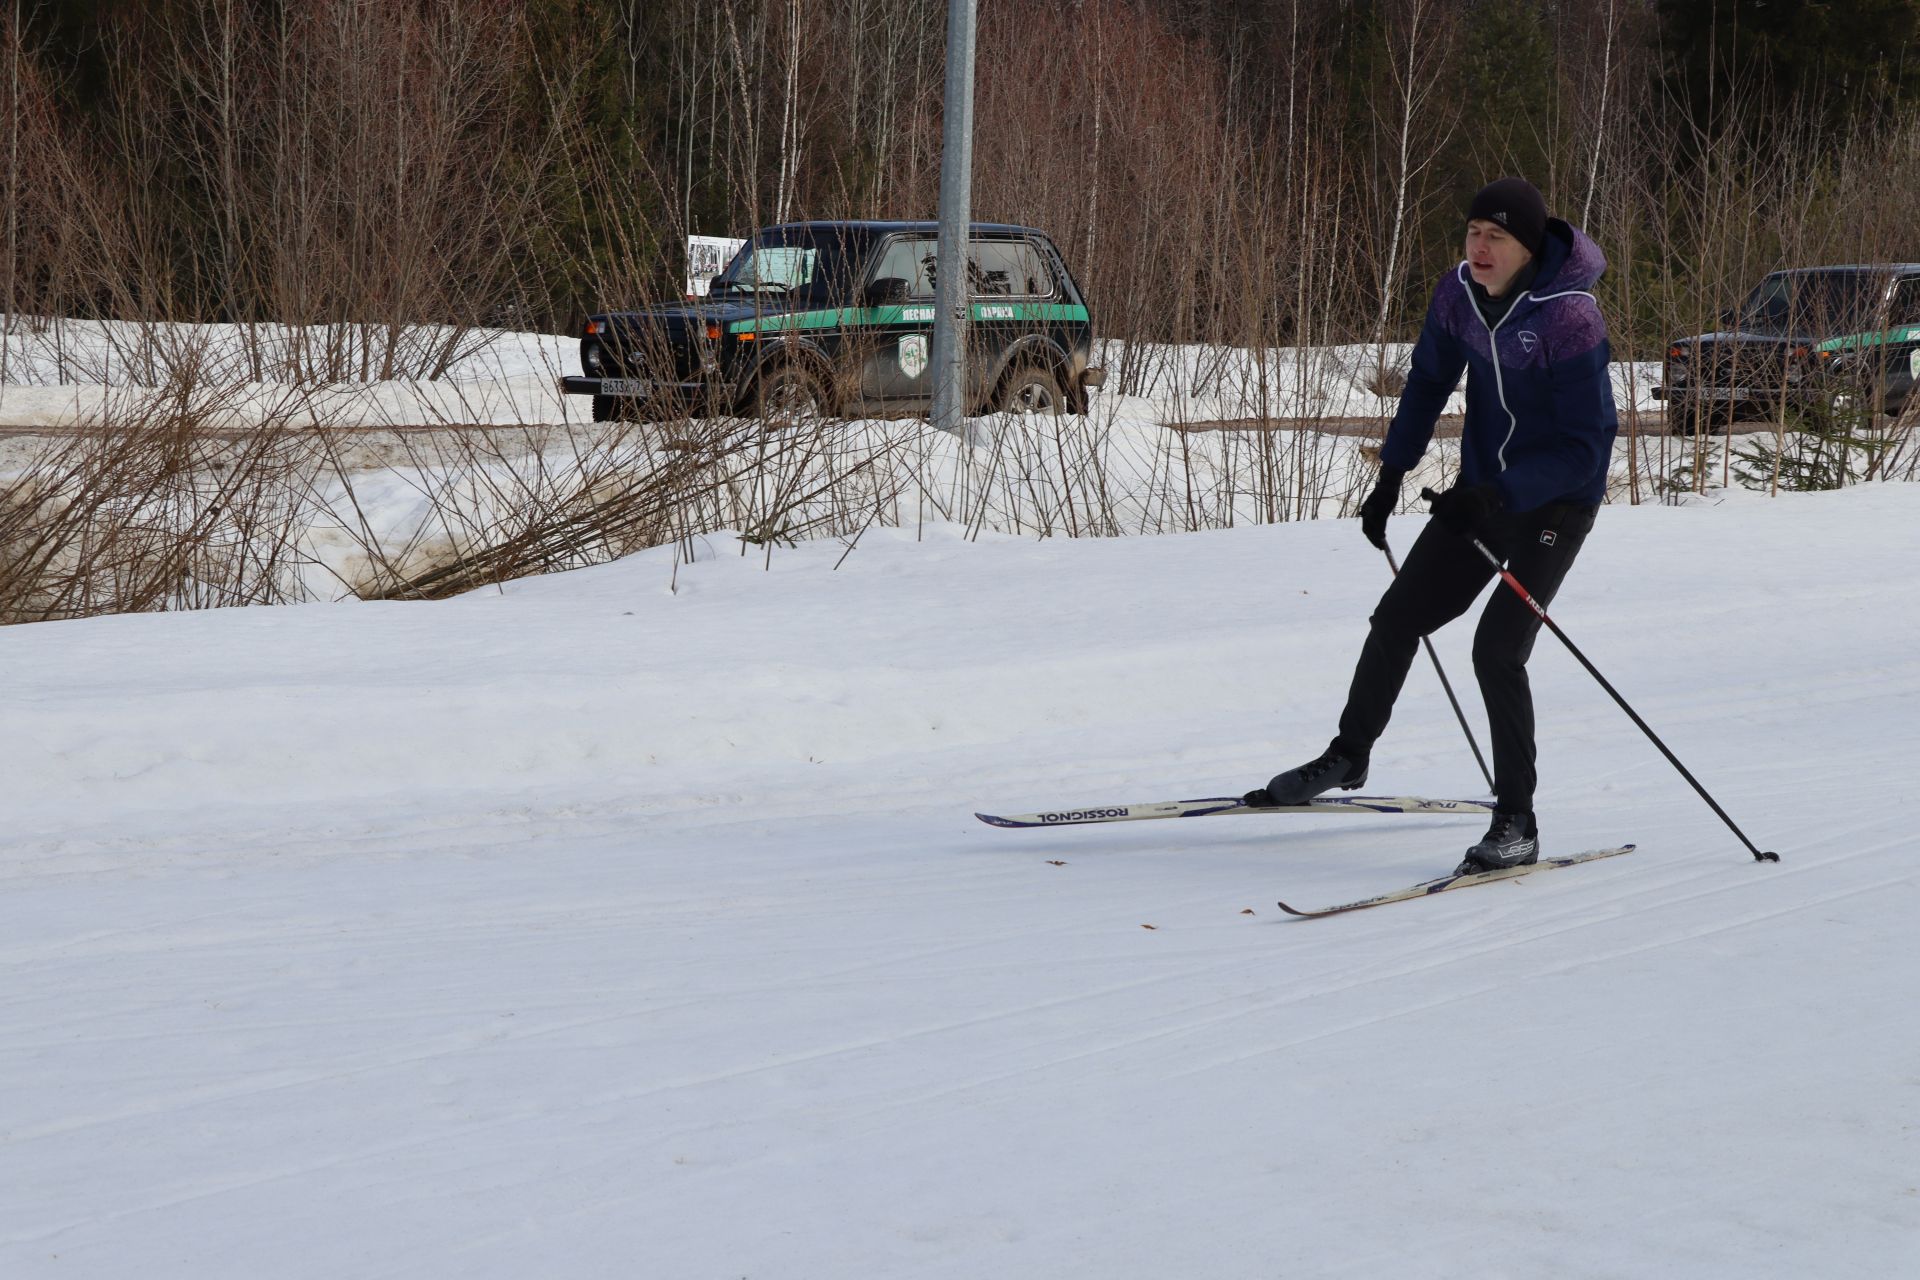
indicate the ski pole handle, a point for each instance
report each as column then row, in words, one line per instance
column 1526, row 597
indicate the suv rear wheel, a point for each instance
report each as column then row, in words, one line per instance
column 1031, row 389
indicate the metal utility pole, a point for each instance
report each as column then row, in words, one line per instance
column 956, row 182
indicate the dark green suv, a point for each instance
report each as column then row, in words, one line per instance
column 836, row 318
column 1822, row 338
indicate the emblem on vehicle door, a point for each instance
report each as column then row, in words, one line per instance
column 913, row 354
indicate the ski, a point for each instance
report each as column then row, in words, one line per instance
column 1208, row 807
column 1427, row 888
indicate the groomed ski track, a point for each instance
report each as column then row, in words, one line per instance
column 586, row 929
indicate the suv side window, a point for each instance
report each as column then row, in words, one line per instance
column 910, row 260
column 995, row 268
column 1007, row 269
column 1906, row 302
column 1769, row 301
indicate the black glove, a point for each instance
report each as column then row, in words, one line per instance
column 1467, row 510
column 1379, row 505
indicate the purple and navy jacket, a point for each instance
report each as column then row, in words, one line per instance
column 1540, row 418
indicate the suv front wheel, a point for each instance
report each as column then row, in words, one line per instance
column 613, row 409
column 1694, row 417
column 788, row 396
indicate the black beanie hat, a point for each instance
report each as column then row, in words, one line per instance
column 1515, row 204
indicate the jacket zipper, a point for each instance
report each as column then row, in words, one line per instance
column 1493, row 350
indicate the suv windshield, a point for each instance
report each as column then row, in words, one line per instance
column 1814, row 302
column 789, row 260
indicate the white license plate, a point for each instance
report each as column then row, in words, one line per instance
column 625, row 386
column 1726, row 393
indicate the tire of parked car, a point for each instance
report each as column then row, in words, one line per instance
column 613, row 409
column 1031, row 389
column 789, row 394
column 1700, row 417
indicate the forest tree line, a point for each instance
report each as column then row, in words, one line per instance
column 1242, row 172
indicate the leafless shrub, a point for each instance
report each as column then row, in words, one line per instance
column 147, row 507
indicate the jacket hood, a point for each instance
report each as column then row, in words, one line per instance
column 1568, row 260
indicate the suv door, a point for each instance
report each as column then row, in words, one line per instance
column 897, row 365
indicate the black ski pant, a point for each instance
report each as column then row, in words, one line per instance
column 1442, row 576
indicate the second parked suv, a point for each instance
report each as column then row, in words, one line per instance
column 1836, row 338
column 834, row 318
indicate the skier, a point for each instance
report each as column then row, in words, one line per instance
column 1518, row 317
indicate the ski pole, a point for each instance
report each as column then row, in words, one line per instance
column 1519, row 590
column 1446, row 684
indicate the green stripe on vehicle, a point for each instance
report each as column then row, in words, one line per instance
column 1853, row 341
column 910, row 313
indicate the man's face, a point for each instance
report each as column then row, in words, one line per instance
column 1493, row 256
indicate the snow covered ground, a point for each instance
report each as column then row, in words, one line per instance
column 58, row 373
column 634, row 922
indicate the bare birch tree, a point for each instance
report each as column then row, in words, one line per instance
column 1416, row 126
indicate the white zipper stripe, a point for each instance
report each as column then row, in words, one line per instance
column 1493, row 347
column 1493, row 350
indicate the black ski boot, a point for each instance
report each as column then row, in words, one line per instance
column 1297, row 786
column 1512, row 841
